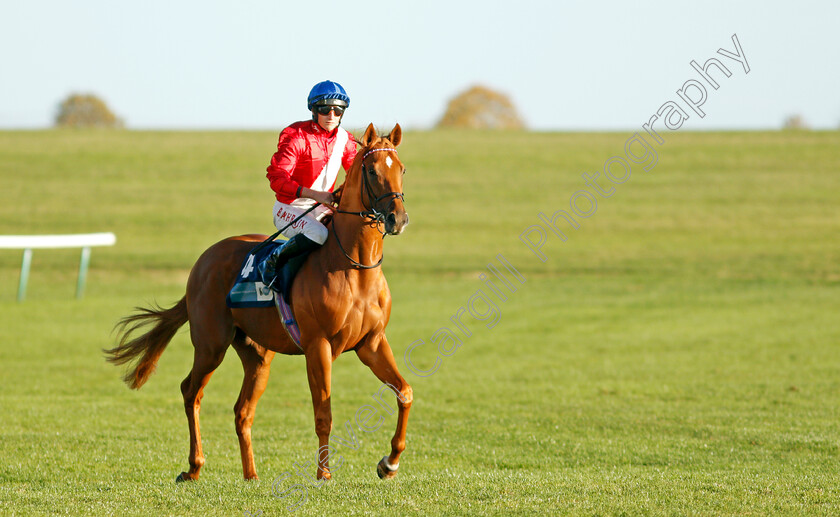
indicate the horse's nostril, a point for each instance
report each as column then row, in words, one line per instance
column 391, row 219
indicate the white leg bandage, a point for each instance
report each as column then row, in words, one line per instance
column 388, row 466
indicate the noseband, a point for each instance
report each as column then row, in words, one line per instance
column 371, row 211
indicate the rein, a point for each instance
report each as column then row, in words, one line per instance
column 372, row 213
column 278, row 232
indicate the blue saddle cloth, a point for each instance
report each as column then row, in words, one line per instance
column 249, row 289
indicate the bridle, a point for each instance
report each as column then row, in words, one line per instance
column 373, row 213
column 370, row 209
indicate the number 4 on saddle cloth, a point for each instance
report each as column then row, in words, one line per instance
column 249, row 290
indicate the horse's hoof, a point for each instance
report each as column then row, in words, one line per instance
column 182, row 477
column 385, row 471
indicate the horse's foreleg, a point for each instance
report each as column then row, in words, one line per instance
column 193, row 390
column 256, row 365
column 319, row 372
column 379, row 358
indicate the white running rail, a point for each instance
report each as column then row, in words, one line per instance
column 29, row 242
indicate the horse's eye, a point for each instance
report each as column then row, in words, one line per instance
column 372, row 171
column 403, row 171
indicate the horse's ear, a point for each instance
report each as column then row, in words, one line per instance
column 396, row 135
column 369, row 137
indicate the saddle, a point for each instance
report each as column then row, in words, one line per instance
column 250, row 291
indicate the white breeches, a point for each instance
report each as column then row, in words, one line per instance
column 309, row 225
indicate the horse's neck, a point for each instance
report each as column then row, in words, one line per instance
column 360, row 239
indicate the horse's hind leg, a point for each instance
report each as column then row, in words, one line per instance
column 256, row 363
column 379, row 358
column 208, row 356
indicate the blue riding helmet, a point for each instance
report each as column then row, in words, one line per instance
column 327, row 93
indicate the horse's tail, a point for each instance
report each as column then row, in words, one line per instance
column 151, row 344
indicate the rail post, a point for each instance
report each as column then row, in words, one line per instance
column 29, row 242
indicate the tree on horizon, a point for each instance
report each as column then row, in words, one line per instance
column 86, row 110
column 479, row 107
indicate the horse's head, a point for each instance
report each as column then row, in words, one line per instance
column 382, row 177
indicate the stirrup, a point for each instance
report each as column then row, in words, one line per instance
column 270, row 285
column 269, row 270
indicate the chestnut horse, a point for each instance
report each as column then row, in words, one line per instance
column 339, row 297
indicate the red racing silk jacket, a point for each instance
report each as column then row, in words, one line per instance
column 303, row 149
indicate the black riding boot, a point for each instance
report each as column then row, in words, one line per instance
column 293, row 247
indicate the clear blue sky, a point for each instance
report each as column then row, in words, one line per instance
column 566, row 65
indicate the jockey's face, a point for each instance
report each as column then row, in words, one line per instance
column 329, row 121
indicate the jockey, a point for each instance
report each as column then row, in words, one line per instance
column 303, row 172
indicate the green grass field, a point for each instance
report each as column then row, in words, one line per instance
column 676, row 356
